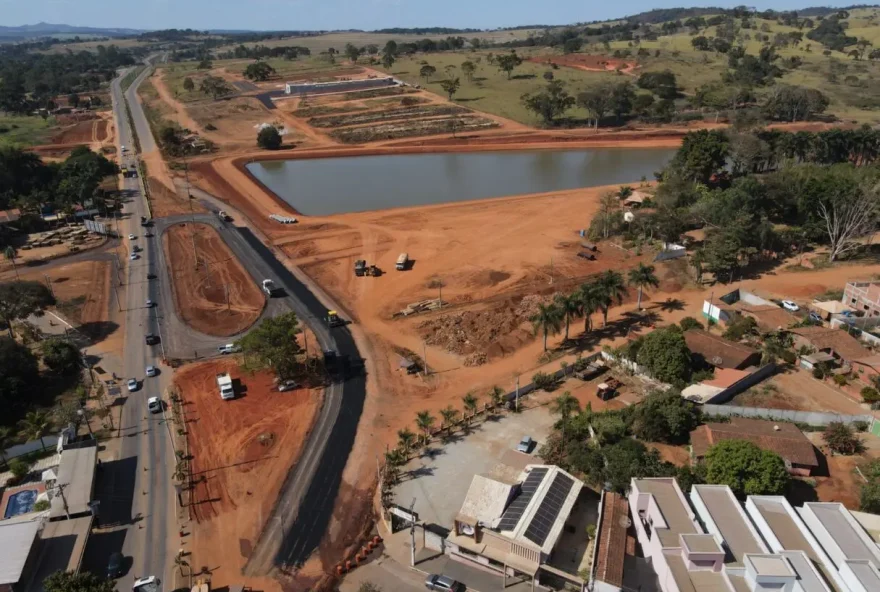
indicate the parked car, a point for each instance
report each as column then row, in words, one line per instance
column 525, row 445
column 815, row 317
column 132, row 385
column 847, row 313
column 152, row 371
column 789, row 305
column 287, row 385
column 444, row 583
column 229, row 348
column 131, row 237
column 115, row 566
column 134, row 257
column 149, row 303
column 154, row 405
column 151, row 339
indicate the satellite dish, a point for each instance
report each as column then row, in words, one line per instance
column 625, row 522
column 629, row 216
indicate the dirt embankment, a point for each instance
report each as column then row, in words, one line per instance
column 242, row 451
column 212, row 291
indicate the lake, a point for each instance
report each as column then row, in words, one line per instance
column 324, row 186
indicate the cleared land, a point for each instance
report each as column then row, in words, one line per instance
column 241, row 452
column 24, row 131
column 212, row 291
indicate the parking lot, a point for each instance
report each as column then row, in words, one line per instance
column 439, row 479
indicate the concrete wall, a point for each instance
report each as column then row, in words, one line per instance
column 752, row 379
column 815, row 418
column 340, row 86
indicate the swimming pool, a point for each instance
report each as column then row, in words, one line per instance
column 20, row 502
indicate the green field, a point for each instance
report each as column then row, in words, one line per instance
column 24, row 131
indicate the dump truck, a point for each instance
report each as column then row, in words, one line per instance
column 402, row 261
column 360, row 267
column 269, row 288
column 224, row 381
column 333, row 319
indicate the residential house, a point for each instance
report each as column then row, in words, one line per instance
column 783, row 438
column 720, row 352
column 863, row 296
column 611, row 545
column 829, row 308
column 636, row 199
column 867, row 369
column 726, row 306
column 18, row 540
column 769, row 317
column 837, row 342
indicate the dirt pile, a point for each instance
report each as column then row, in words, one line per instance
column 482, row 335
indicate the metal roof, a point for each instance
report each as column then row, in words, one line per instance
column 76, row 475
column 16, row 540
column 730, row 520
column 842, row 532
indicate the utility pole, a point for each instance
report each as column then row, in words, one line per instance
column 226, row 287
column 517, row 393
column 49, row 284
column 425, row 358
column 64, row 499
column 551, row 271
column 412, row 533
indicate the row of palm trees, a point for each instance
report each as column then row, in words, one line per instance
column 33, row 426
column 598, row 294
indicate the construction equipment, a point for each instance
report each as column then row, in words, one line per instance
column 587, row 256
column 269, row 288
column 592, row 370
column 606, row 390
column 402, row 262
column 374, row 271
column 333, row 319
column 360, row 268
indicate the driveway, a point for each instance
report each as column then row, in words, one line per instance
column 439, row 479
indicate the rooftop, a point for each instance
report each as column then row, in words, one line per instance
column 768, row 316
column 675, row 513
column 769, row 565
column 485, row 500
column 611, row 540
column 701, row 543
column 726, row 377
column 692, row 581
column 851, row 541
column 717, row 350
column 807, row 574
column 729, row 519
column 76, row 474
column 16, row 539
column 783, row 438
column 838, row 341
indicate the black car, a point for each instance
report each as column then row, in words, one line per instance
column 115, row 567
column 151, row 339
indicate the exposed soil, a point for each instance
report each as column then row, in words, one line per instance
column 241, row 452
column 203, row 281
column 164, row 199
column 589, row 63
column 78, row 133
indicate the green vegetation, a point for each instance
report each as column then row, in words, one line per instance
column 268, row 138
column 273, row 345
column 64, row 581
column 842, row 439
column 129, row 78
column 22, row 130
column 746, row 469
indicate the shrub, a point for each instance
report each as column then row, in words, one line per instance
column 690, row 323
column 211, row 127
column 19, row 469
column 409, row 101
column 41, row 506
column 842, row 439
column 544, row 381
column 269, row 138
column 870, row 395
column 840, row 380
column 591, row 531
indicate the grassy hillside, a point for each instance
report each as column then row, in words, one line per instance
column 24, row 131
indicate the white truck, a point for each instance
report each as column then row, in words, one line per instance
column 269, row 288
column 402, row 260
column 224, row 381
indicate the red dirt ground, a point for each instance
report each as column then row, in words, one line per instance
column 200, row 287
column 78, row 133
column 581, row 61
column 242, row 451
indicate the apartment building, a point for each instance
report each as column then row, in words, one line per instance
column 863, row 296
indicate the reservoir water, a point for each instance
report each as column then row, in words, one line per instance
column 326, row 186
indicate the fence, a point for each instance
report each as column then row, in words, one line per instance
column 744, row 383
column 814, row 418
column 49, row 442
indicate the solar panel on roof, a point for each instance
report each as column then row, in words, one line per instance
column 516, row 508
column 549, row 509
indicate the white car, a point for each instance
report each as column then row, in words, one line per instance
column 151, row 371
column 789, row 305
column 131, row 237
column 149, row 303
column 154, row 405
column 134, row 257
column 229, row 348
column 132, row 385
column 287, row 385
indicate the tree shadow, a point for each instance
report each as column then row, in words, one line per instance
column 98, row 330
column 523, row 77
column 468, row 99
column 671, row 305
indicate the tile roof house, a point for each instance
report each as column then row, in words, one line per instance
column 784, row 439
column 769, row 316
column 611, row 540
column 720, row 352
column 837, row 342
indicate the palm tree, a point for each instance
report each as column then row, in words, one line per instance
column 590, row 302
column 470, row 405
column 10, row 253
column 642, row 277
column 449, row 414
column 405, row 439
column 496, row 395
column 425, row 421
column 569, row 306
column 547, row 319
column 610, row 287
column 35, row 425
column 5, row 440
column 565, row 405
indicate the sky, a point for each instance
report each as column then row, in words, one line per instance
column 336, row 14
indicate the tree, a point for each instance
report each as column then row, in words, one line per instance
column 5, row 442
column 214, row 86
column 565, row 405
column 548, row 319
column 369, row 587
column 745, row 468
column 849, row 219
column 642, row 277
column 65, row 581
column 596, row 101
column 665, row 355
column 842, row 439
column 61, row 356
column 794, row 103
column 688, row 323
column 73, row 100
column 621, row 99
column 665, row 416
column 352, row 52
column 35, row 425
column 507, row 62
column 449, row 414
column 205, row 64
column 427, row 71
column 468, row 68
column 10, row 253
column 569, row 306
column 550, row 103
column 19, row 373
column 470, row 405
column 273, row 344
column 259, row 71
column 611, row 288
column 496, row 396
column 389, row 53
column 663, row 84
column 591, row 301
column 269, row 138
column 21, row 299
column 572, row 45
column 405, row 439
column 702, row 154
column 188, row 84
column 425, row 421
column 450, row 86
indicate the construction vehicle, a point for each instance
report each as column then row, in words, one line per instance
column 147, row 584
column 269, row 288
column 223, row 216
column 224, row 381
column 402, row 261
column 333, row 319
column 606, row 390
column 374, row 271
column 360, row 268
column 592, row 370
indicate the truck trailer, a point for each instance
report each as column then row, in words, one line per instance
column 224, row 381
column 269, row 288
column 402, row 261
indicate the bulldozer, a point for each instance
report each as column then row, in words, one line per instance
column 333, row 319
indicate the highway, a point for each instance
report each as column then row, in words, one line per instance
column 304, row 506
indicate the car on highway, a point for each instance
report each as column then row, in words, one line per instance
column 132, row 385
column 444, row 583
column 154, row 405
column 131, row 237
column 134, row 257
column 151, row 276
column 789, row 305
column 525, row 445
column 135, row 249
column 287, row 385
column 115, row 566
column 124, row 149
column 149, row 303
column 151, row 339
column 151, row 371
column 147, row 584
